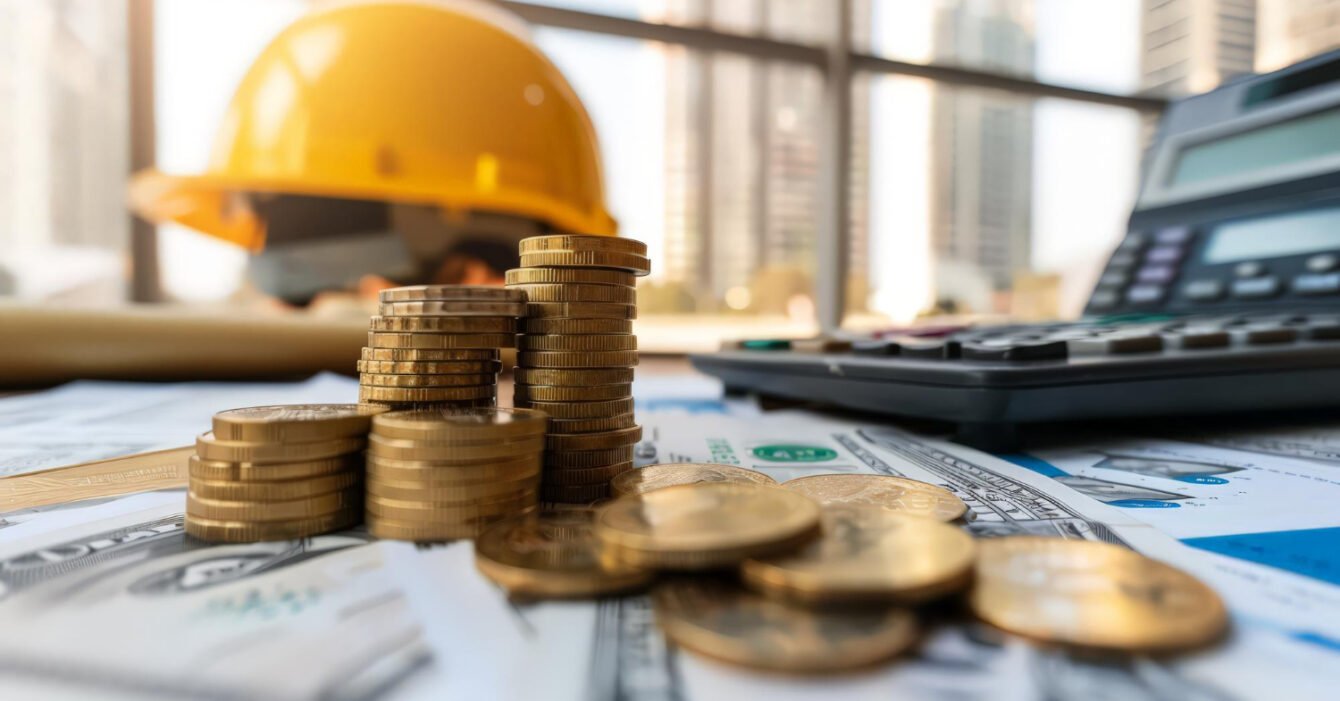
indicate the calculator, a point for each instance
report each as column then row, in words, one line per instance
column 1223, row 296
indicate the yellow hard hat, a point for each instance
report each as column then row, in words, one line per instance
column 398, row 101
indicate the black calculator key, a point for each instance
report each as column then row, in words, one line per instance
column 876, row 347
column 1323, row 330
column 1103, row 299
column 1116, row 344
column 927, row 348
column 1009, row 349
column 1262, row 334
column 1203, row 290
column 1256, row 287
column 1145, row 294
column 1196, row 337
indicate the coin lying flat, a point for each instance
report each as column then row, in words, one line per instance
column 608, row 423
column 654, row 477
column 573, row 378
column 217, row 531
column 587, row 458
column 552, row 555
column 580, row 310
column 263, row 511
column 868, row 554
column 451, row 308
column 431, row 532
column 576, row 326
column 581, row 242
column 574, row 494
column 280, row 490
column 415, row 293
column 894, row 493
column 578, row 293
column 563, row 276
column 587, row 342
column 458, row 380
column 440, row 341
column 590, row 393
column 443, row 324
column 217, row 470
column 434, row 355
column 577, row 359
column 604, row 440
column 702, row 526
column 404, row 449
column 721, row 620
column 207, row 447
column 629, row 262
column 459, row 367
column 581, row 410
column 294, row 422
column 432, row 473
column 1092, row 595
column 439, row 492
column 461, row 425
column 570, row 477
column 371, row 393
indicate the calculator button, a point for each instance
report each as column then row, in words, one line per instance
column 1257, row 287
column 821, row 345
column 1263, row 334
column 1103, row 299
column 1325, row 284
column 876, row 347
column 1203, row 290
column 1164, row 254
column 1173, row 234
column 1159, row 274
column 1196, row 337
column 1117, row 343
column 1322, row 330
column 1133, row 242
column 1145, row 294
column 1249, row 268
column 927, row 348
column 1009, row 349
column 1122, row 259
column 1322, row 262
column 1114, row 278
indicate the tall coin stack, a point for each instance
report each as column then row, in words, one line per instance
column 438, row 345
column 446, row 473
column 278, row 472
column 575, row 357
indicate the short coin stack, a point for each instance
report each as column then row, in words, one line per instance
column 278, row 472
column 438, row 345
column 575, row 357
column 446, row 473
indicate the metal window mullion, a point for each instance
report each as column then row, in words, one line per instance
column 145, row 284
column 830, row 280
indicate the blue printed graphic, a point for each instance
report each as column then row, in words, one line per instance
column 1201, row 479
column 1312, row 553
column 1130, row 496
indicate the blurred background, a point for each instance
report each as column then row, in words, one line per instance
column 792, row 164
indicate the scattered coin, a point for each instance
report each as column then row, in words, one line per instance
column 1092, row 595
column 704, row 526
column 719, row 619
column 654, row 477
column 868, row 554
column 895, row 493
column 552, row 554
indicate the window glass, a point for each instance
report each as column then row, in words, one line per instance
column 804, row 21
column 976, row 202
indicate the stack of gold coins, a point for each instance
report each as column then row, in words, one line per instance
column 575, row 357
column 449, row 472
column 438, row 345
column 278, row 472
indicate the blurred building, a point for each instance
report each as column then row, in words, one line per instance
column 982, row 144
column 1190, row 46
column 1288, row 32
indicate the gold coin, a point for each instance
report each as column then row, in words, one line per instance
column 576, row 326
column 719, row 619
column 460, row 367
column 448, row 473
column 449, row 425
column 1092, row 595
column 424, row 532
column 281, row 490
column 460, row 501
column 443, row 324
column 549, row 393
column 419, row 293
column 581, row 242
column 578, row 293
column 444, row 341
column 294, row 422
column 415, row 512
column 704, row 526
column 482, row 403
column 424, row 394
column 572, row 476
column 223, row 471
column 264, row 511
column 868, row 555
column 582, row 410
column 562, row 276
column 435, row 492
column 451, row 308
column 416, row 355
column 552, row 555
column 577, row 359
column 587, row 458
column 654, row 477
column 893, row 493
column 207, row 447
column 403, row 449
column 580, row 310
column 574, row 494
column 604, row 440
column 573, row 378
column 556, row 342
column 379, row 380
column 216, row 531
column 635, row 264
column 593, row 425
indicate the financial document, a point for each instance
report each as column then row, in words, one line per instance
column 109, row 599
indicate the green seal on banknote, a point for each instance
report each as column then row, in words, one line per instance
column 787, row 452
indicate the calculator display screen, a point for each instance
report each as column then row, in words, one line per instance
column 1284, row 143
column 1286, row 234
